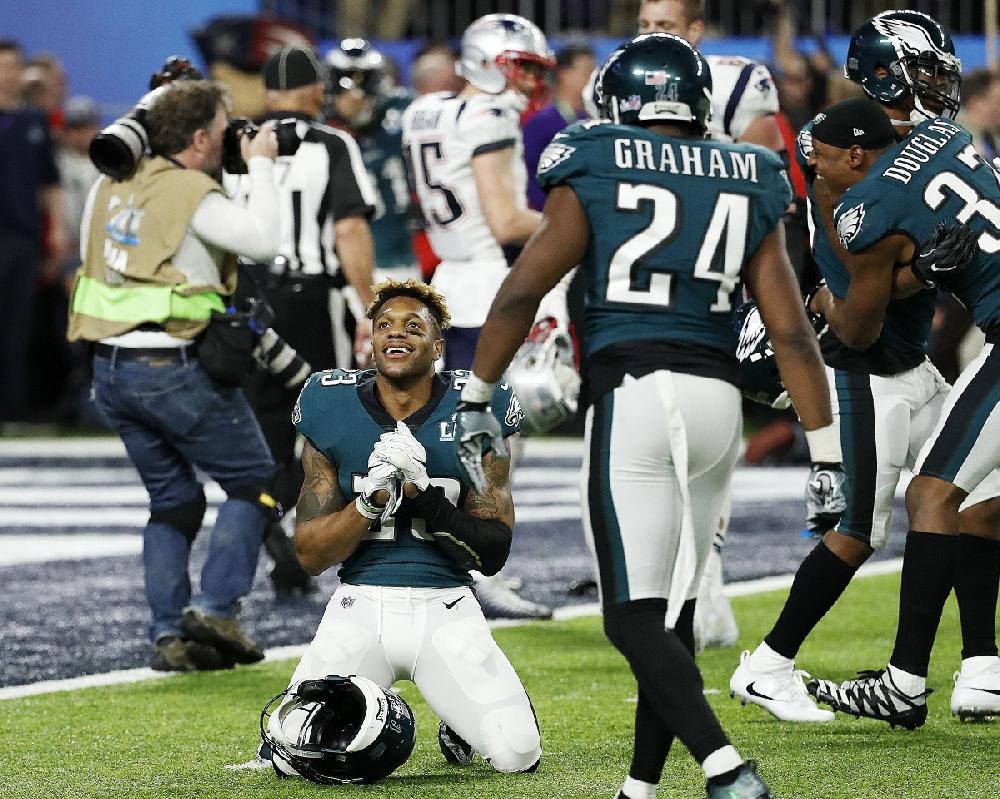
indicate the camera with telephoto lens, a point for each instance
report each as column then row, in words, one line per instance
column 232, row 158
column 117, row 150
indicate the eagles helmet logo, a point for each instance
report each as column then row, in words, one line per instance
column 553, row 155
column 849, row 224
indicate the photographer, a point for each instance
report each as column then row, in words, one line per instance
column 326, row 252
column 158, row 254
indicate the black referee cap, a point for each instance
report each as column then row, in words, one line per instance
column 292, row 67
column 856, row 121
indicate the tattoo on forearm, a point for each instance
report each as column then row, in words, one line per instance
column 495, row 502
column 320, row 493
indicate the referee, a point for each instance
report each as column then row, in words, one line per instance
column 320, row 282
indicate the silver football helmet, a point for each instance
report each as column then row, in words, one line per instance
column 494, row 50
column 337, row 730
column 544, row 377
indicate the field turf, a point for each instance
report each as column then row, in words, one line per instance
column 172, row 738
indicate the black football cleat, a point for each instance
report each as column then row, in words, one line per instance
column 456, row 750
column 873, row 695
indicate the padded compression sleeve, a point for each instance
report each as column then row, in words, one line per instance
column 480, row 544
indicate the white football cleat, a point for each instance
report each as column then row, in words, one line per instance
column 977, row 689
column 781, row 692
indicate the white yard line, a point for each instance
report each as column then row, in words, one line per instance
column 747, row 588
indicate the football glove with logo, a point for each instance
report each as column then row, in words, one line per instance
column 945, row 253
column 826, row 497
column 476, row 431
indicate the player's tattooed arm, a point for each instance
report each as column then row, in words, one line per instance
column 496, row 501
column 320, row 492
column 327, row 528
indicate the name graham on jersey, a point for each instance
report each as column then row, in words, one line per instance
column 425, row 120
column 686, row 159
column 918, row 150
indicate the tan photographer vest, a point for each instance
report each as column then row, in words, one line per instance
column 128, row 277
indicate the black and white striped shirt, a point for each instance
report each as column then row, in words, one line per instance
column 324, row 182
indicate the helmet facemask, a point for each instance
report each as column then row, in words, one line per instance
column 526, row 75
column 935, row 82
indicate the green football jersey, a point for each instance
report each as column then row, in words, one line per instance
column 672, row 223
column 339, row 412
column 382, row 150
column 934, row 175
column 903, row 341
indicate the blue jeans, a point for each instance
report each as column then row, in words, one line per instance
column 171, row 418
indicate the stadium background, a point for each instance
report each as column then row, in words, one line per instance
column 110, row 48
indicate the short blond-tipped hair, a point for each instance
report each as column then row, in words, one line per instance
column 428, row 295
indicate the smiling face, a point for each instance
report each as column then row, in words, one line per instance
column 406, row 339
column 837, row 166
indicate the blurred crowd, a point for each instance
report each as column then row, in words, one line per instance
column 44, row 380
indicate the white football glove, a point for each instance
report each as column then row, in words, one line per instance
column 381, row 477
column 402, row 450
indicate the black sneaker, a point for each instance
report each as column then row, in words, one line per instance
column 173, row 653
column 873, row 695
column 454, row 748
column 225, row 634
column 741, row 783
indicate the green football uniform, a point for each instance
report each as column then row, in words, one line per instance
column 903, row 341
column 672, row 222
column 340, row 414
column 935, row 175
column 382, row 151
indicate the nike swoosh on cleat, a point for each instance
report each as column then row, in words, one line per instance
column 450, row 605
column 754, row 692
column 994, row 691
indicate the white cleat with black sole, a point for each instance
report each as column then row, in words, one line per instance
column 977, row 689
column 781, row 692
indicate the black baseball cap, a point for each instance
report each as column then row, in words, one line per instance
column 856, row 121
column 292, row 67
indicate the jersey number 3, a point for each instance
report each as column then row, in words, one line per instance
column 629, row 282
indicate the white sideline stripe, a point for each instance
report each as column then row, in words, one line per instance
column 16, row 549
column 136, row 517
column 42, row 476
column 746, row 588
column 89, row 495
column 112, row 446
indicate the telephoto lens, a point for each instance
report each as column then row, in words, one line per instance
column 117, row 150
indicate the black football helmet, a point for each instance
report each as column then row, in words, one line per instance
column 902, row 53
column 357, row 67
column 338, row 730
column 656, row 77
column 760, row 380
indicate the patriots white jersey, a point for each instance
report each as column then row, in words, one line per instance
column 742, row 92
column 442, row 133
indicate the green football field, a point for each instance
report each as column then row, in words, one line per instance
column 173, row 737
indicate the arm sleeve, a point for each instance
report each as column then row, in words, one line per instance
column 861, row 219
column 563, row 159
column 757, row 98
column 506, row 409
column 253, row 231
column 350, row 188
column 485, row 127
column 473, row 543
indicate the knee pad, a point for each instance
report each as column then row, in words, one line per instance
column 512, row 740
column 185, row 518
